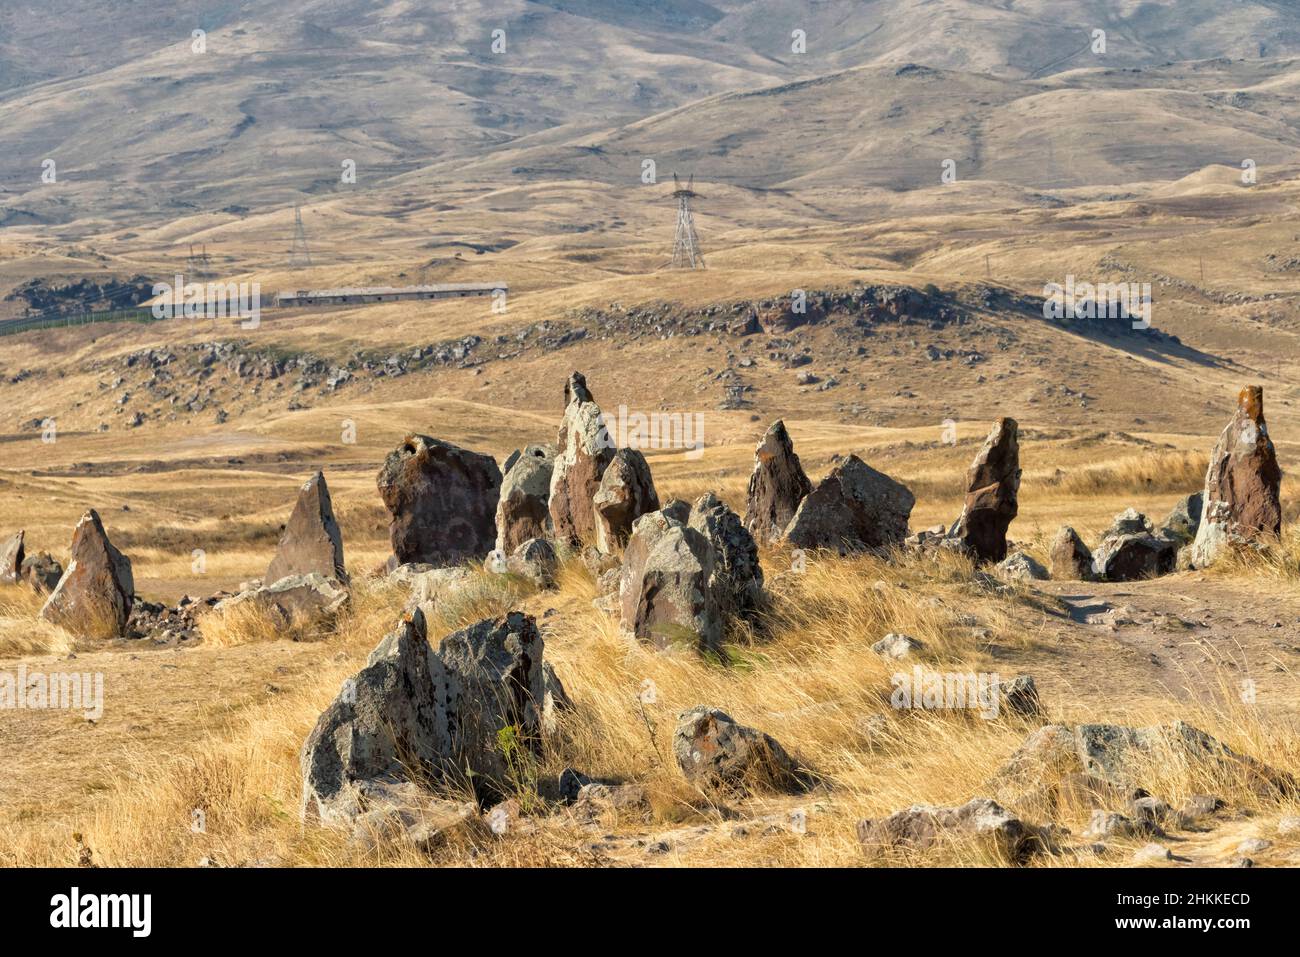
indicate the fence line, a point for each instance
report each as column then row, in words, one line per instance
column 137, row 314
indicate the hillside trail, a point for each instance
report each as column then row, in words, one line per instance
column 1188, row 637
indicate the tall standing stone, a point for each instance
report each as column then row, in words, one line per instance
column 584, row 451
column 93, row 598
column 11, row 558
column 776, row 486
column 627, row 491
column 992, row 484
column 852, row 509
column 311, row 541
column 665, row 589
column 1242, row 502
column 523, row 511
column 442, row 500
column 737, row 579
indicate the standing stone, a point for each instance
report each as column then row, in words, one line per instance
column 853, row 508
column 1070, row 558
column 627, row 491
column 737, row 580
column 385, row 724
column 1184, row 519
column 665, row 595
column 992, row 483
column 473, row 707
column 1242, row 501
column 311, row 541
column 522, row 512
column 584, row 451
column 11, row 558
column 442, row 499
column 776, row 486
column 93, row 598
column 42, row 571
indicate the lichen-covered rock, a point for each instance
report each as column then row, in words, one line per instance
column 897, row 646
column 626, row 492
column 413, row 715
column 442, row 500
column 584, row 450
column 716, row 753
column 1184, row 519
column 93, row 598
column 1242, row 503
column 992, row 488
column 923, row 826
column 311, row 541
column 666, row 595
column 776, row 486
column 523, row 511
column 535, row 560
column 737, row 580
column 301, row 607
column 854, row 508
column 1021, row 567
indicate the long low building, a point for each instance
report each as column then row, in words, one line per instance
column 364, row 294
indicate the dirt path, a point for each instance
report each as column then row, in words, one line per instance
column 1186, row 636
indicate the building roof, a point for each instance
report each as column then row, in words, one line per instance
column 392, row 290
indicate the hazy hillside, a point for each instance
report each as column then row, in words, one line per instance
column 143, row 129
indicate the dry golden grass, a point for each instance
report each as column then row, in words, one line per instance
column 805, row 674
column 23, row 631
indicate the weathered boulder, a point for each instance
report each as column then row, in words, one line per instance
column 923, row 826
column 1019, row 696
column 1184, row 519
column 386, row 725
column 1242, row 503
column 442, row 500
column 776, row 486
column 852, row 509
column 717, row 754
column 42, row 571
column 626, row 492
column 665, row 591
column 311, row 541
column 535, row 560
column 737, row 580
column 301, row 607
column 93, row 598
column 1021, row 567
column 992, row 486
column 495, row 693
column 583, row 452
column 1116, row 758
column 1130, row 550
column 1070, row 558
column 473, row 707
column 523, row 512
column 11, row 558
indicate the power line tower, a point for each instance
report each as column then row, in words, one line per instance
column 199, row 264
column 300, row 255
column 686, row 244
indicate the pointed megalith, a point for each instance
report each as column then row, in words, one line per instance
column 584, row 451
column 442, row 499
column 1242, row 502
column 627, row 491
column 11, row 558
column 523, row 512
column 93, row 598
column 776, row 486
column 311, row 541
column 992, row 484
